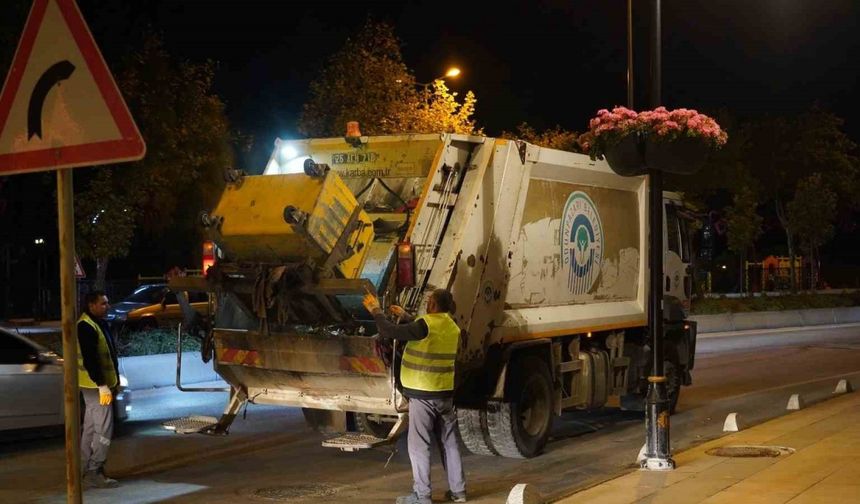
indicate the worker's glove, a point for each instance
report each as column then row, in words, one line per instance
column 396, row 311
column 371, row 303
column 105, row 395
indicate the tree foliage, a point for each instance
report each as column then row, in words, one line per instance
column 744, row 222
column 553, row 138
column 188, row 148
column 367, row 81
column 439, row 111
column 811, row 216
column 104, row 221
column 783, row 151
column 186, row 131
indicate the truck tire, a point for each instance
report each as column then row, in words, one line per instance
column 365, row 425
column 323, row 421
column 519, row 428
column 472, row 424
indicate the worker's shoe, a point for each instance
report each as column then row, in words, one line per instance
column 455, row 496
column 97, row 479
column 413, row 499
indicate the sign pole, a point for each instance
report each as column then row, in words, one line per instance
column 66, row 225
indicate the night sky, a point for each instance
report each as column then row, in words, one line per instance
column 545, row 62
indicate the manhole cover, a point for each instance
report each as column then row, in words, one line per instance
column 289, row 492
column 746, row 451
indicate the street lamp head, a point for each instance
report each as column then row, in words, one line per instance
column 452, row 72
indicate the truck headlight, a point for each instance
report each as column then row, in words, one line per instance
column 123, row 381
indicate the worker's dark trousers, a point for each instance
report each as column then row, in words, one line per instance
column 429, row 419
column 97, row 431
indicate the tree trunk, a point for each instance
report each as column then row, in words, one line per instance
column 791, row 258
column 742, row 274
column 101, row 272
column 813, row 268
column 789, row 238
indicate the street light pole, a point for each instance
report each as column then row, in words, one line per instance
column 657, row 452
column 452, row 72
column 630, row 54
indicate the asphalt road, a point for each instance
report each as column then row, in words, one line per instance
column 270, row 456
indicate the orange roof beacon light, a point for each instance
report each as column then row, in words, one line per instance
column 352, row 129
column 208, row 256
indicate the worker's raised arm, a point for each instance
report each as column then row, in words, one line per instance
column 403, row 332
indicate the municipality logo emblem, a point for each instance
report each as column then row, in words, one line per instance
column 581, row 242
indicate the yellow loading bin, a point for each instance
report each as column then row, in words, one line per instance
column 254, row 228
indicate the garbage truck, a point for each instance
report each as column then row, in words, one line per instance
column 544, row 251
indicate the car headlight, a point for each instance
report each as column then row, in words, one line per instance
column 123, row 381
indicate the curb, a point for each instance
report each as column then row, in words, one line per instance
column 730, row 322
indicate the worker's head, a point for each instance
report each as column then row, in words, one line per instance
column 96, row 304
column 440, row 301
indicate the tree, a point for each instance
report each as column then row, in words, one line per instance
column 104, row 222
column 188, row 148
column 810, row 216
column 439, row 111
column 782, row 151
column 553, row 138
column 367, row 81
column 187, row 134
column 744, row 224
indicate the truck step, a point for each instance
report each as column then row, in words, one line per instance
column 190, row 424
column 353, row 441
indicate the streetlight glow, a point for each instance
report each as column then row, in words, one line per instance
column 451, row 73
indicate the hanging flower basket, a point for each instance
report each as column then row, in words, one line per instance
column 675, row 141
column 627, row 156
column 683, row 155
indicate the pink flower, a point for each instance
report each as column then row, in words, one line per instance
column 610, row 126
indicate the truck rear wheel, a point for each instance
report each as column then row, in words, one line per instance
column 374, row 425
column 519, row 428
column 472, row 424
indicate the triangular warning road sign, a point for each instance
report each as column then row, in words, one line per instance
column 79, row 269
column 60, row 106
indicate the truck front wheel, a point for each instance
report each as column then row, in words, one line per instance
column 519, row 428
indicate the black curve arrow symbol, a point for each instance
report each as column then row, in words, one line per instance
column 52, row 76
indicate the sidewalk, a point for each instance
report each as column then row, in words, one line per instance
column 824, row 468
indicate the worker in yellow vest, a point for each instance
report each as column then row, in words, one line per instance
column 427, row 376
column 98, row 378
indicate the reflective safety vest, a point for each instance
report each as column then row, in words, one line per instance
column 428, row 364
column 105, row 359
